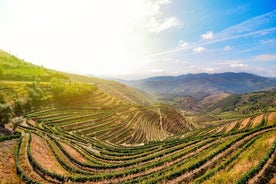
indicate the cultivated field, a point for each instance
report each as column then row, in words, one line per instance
column 126, row 144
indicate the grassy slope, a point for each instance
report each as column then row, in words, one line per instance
column 15, row 69
column 117, row 89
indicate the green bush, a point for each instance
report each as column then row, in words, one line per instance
column 6, row 114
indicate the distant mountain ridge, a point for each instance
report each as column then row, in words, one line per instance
column 204, row 84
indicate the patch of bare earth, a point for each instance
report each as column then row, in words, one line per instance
column 273, row 180
column 44, row 156
column 32, row 122
column 24, row 163
column 7, row 162
column 244, row 123
column 256, row 121
column 73, row 152
column 231, row 126
column 271, row 119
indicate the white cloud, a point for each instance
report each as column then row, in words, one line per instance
column 208, row 35
column 210, row 70
column 265, row 57
column 183, row 44
column 238, row 65
column 252, row 27
column 156, row 26
column 227, row 48
column 157, row 70
column 154, row 20
column 199, row 49
column 163, row 2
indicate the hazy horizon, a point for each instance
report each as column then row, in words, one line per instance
column 142, row 38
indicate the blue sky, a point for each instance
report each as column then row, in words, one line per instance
column 142, row 38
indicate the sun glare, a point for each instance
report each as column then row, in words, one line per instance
column 100, row 37
column 114, row 43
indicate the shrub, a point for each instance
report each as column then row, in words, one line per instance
column 5, row 114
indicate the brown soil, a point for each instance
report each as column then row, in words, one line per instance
column 256, row 121
column 273, row 180
column 244, row 123
column 32, row 122
column 271, row 119
column 24, row 163
column 231, row 126
column 73, row 152
column 7, row 162
column 44, row 156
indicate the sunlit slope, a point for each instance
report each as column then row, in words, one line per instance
column 15, row 69
column 117, row 89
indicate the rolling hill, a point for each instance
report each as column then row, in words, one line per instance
column 203, row 84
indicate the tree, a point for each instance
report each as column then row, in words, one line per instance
column 1, row 73
column 36, row 94
column 6, row 114
column 2, row 99
column 18, row 107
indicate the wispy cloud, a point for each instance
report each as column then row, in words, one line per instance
column 156, row 26
column 153, row 22
column 199, row 49
column 157, row 70
column 258, row 25
column 208, row 35
column 183, row 44
column 238, row 65
column 227, row 48
column 250, row 25
column 268, row 42
column 265, row 57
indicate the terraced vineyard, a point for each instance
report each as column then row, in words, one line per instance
column 124, row 143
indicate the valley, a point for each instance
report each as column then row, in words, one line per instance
column 67, row 128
